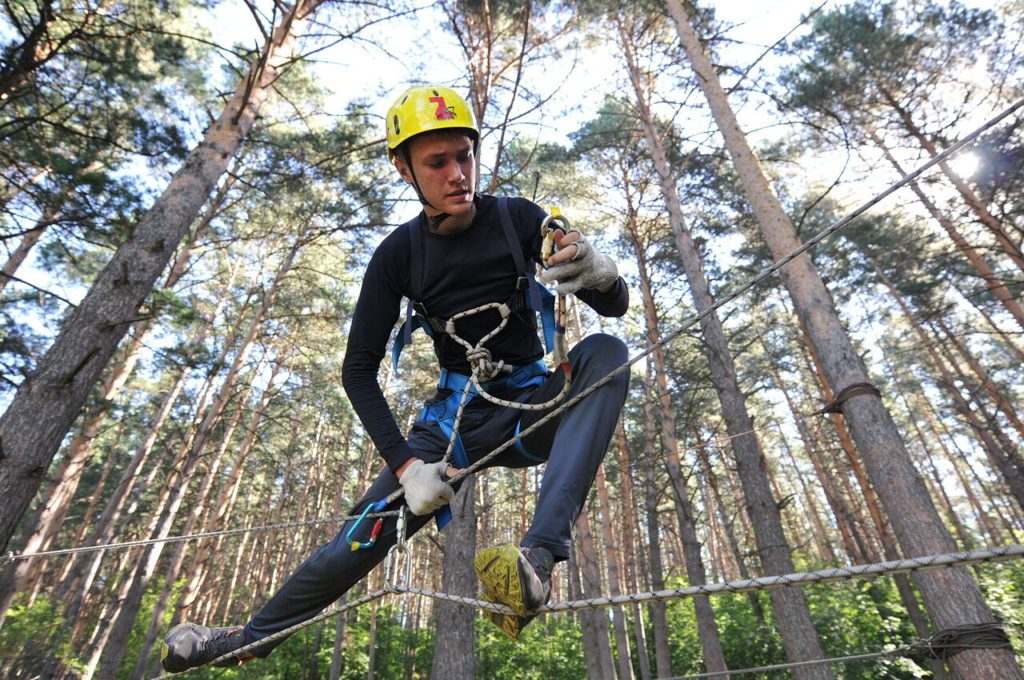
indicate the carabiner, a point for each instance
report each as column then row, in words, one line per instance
column 547, row 247
column 374, row 533
column 390, row 565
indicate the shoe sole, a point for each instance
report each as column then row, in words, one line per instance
column 509, row 624
column 179, row 665
column 498, row 571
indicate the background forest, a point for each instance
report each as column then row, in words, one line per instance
column 192, row 188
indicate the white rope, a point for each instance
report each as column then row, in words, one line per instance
column 750, row 283
column 746, row 585
column 831, row 575
column 672, row 335
column 11, row 557
column 835, row 574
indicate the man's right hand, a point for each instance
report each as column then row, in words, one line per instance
column 425, row 488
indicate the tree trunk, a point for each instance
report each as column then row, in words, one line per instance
column 51, row 517
column 730, row 533
column 662, row 657
column 629, row 533
column 47, row 403
column 714, row 658
column 991, row 389
column 28, row 241
column 611, row 551
column 198, row 505
column 950, row 595
column 371, row 662
column 824, row 545
column 1004, row 461
column 84, row 567
column 218, row 518
column 50, row 216
column 121, row 628
column 792, row 615
column 596, row 643
column 956, row 460
column 454, row 649
column 337, row 654
column 993, row 283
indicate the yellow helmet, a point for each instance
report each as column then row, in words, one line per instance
column 424, row 109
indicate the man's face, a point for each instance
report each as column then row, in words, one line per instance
column 445, row 170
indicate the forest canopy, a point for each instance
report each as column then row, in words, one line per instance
column 192, row 190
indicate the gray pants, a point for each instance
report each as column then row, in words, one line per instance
column 572, row 444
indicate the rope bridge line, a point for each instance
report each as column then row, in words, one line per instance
column 749, row 284
column 825, row 576
column 940, row 646
column 944, row 643
column 746, row 585
column 773, row 582
column 669, row 337
column 11, row 557
column 127, row 545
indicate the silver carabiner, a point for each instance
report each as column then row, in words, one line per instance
column 399, row 547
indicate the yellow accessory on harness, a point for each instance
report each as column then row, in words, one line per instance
column 425, row 109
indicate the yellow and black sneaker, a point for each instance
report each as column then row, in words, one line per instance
column 190, row 645
column 519, row 579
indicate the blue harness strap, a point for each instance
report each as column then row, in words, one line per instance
column 541, row 300
column 538, row 298
column 443, row 412
column 404, row 335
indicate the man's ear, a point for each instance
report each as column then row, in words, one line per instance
column 403, row 168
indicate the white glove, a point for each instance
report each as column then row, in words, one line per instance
column 587, row 269
column 425, row 488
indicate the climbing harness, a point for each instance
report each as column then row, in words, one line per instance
column 486, row 376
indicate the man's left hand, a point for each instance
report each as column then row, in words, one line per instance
column 578, row 265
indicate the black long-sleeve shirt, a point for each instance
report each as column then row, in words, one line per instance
column 460, row 271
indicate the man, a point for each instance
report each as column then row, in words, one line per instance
column 462, row 251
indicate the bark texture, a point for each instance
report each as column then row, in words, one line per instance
column 455, row 650
column 951, row 596
column 48, row 401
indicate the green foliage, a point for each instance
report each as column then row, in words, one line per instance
column 550, row 647
column 129, row 103
column 24, row 626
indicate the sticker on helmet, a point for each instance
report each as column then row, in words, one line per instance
column 443, row 112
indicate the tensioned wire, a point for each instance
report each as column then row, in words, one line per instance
column 669, row 337
column 831, row 575
column 750, row 283
column 11, row 557
column 746, row 585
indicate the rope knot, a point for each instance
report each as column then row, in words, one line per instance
column 480, row 359
column 952, row 641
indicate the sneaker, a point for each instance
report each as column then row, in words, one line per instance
column 519, row 579
column 190, row 645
